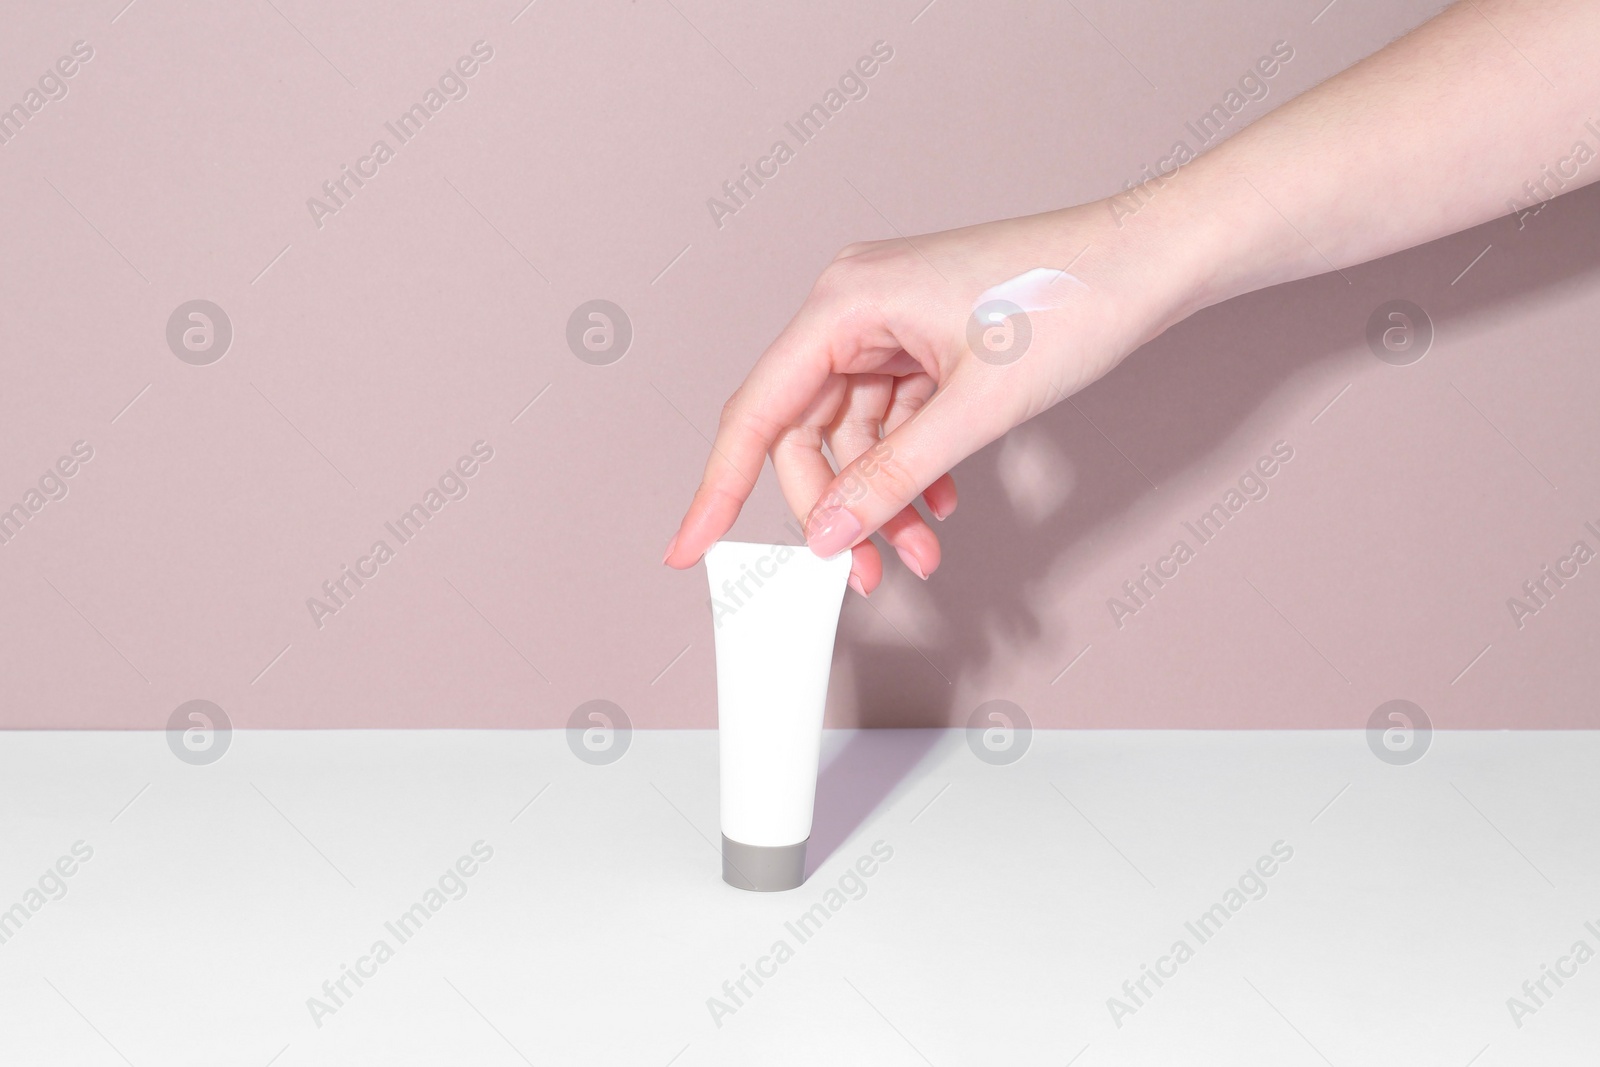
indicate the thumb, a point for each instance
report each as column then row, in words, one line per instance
column 891, row 474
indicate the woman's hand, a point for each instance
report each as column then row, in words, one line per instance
column 887, row 367
column 910, row 355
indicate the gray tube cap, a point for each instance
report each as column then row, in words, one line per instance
column 763, row 868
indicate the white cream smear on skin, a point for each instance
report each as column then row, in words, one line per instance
column 1039, row 289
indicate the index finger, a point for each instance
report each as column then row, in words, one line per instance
column 777, row 392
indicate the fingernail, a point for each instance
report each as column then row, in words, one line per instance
column 940, row 515
column 912, row 562
column 833, row 529
column 855, row 583
column 672, row 544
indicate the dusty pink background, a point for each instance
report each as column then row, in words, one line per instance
column 377, row 349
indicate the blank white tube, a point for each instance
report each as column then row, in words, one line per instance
column 775, row 609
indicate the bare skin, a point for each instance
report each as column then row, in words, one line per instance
column 1434, row 134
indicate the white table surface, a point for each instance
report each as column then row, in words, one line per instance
column 1017, row 900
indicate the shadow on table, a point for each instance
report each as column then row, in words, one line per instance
column 852, row 785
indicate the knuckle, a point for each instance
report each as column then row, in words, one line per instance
column 909, row 405
column 731, row 408
column 892, row 481
column 840, row 276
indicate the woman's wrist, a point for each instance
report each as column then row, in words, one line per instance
column 1206, row 234
column 1161, row 250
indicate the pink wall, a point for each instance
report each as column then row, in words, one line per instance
column 428, row 312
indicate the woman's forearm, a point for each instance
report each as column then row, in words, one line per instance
column 1477, row 113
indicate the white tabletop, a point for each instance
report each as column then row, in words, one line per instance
column 1014, row 902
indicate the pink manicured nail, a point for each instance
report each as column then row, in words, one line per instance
column 672, row 544
column 855, row 583
column 833, row 529
column 912, row 562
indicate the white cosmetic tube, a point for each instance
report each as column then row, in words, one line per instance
column 775, row 610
